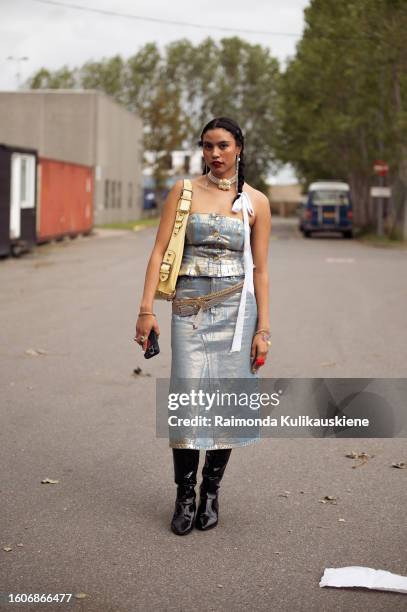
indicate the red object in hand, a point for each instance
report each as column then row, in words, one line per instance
column 259, row 361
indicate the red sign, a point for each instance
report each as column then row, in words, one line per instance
column 381, row 167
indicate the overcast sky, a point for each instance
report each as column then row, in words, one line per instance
column 51, row 36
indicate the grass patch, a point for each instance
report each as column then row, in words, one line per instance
column 385, row 241
column 129, row 225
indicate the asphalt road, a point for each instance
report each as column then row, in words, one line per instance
column 76, row 413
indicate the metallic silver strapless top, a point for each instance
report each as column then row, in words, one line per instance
column 213, row 246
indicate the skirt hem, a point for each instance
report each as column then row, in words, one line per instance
column 214, row 446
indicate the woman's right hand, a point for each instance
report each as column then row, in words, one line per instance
column 144, row 326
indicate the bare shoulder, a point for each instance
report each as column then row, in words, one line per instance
column 174, row 194
column 260, row 201
column 178, row 186
column 198, row 181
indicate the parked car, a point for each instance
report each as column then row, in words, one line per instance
column 327, row 208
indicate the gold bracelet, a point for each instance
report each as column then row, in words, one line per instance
column 265, row 335
column 262, row 330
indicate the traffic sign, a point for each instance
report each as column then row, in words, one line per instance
column 381, row 167
column 380, row 192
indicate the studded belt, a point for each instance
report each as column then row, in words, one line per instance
column 193, row 306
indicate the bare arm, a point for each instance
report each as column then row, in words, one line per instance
column 260, row 237
column 164, row 231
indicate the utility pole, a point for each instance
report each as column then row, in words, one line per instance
column 380, row 168
column 18, row 61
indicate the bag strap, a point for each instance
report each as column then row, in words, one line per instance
column 173, row 248
column 183, row 206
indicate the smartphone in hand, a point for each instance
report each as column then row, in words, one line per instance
column 152, row 345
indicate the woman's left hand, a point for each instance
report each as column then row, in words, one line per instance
column 259, row 351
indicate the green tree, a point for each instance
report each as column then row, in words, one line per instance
column 154, row 89
column 108, row 76
column 337, row 113
column 237, row 79
column 63, row 78
column 177, row 91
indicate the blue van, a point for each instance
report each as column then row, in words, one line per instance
column 327, row 208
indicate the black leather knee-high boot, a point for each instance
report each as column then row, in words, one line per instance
column 186, row 462
column 212, row 473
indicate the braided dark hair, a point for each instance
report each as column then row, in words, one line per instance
column 231, row 126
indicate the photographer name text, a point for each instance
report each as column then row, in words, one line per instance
column 268, row 421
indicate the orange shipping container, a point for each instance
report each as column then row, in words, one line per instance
column 65, row 199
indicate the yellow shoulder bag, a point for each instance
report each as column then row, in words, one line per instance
column 172, row 259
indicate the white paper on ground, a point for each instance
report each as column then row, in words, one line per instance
column 355, row 576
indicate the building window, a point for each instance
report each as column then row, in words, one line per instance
column 119, row 194
column 107, row 193
column 187, row 163
column 113, row 194
column 23, row 179
column 130, row 195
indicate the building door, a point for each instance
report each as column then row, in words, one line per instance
column 22, row 189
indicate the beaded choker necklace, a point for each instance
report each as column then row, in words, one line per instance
column 222, row 183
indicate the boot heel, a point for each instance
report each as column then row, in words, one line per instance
column 208, row 512
column 185, row 468
column 207, row 515
column 184, row 513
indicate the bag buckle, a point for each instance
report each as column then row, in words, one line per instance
column 184, row 196
column 166, row 265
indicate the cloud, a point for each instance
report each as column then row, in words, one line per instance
column 53, row 36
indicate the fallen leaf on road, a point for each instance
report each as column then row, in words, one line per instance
column 402, row 465
column 139, row 372
column 35, row 352
column 81, row 595
column 328, row 499
column 7, row 548
column 49, row 481
column 364, row 457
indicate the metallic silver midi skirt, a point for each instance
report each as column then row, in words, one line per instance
column 203, row 354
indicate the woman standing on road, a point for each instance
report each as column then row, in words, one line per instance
column 226, row 248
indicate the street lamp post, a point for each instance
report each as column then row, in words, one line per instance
column 18, row 61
